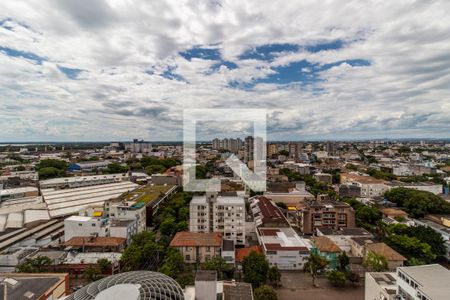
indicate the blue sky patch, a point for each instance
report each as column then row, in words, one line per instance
column 325, row 46
column 302, row 72
column 169, row 74
column 268, row 52
column 202, row 53
column 229, row 64
column 17, row 53
column 71, row 73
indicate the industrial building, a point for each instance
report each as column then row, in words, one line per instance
column 69, row 201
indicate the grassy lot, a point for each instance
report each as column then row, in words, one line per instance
column 147, row 193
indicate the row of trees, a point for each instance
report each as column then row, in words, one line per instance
column 418, row 203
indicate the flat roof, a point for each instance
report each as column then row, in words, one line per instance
column 81, row 178
column 206, row 275
column 433, row 279
column 34, row 285
column 283, row 238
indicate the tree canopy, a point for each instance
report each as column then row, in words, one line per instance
column 314, row 265
column 375, row 262
column 255, row 267
column 265, row 292
column 418, row 203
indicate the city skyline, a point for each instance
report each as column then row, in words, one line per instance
column 108, row 71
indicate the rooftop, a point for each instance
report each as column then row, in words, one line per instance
column 284, row 238
column 27, row 286
column 196, row 239
column 325, row 244
column 146, row 194
column 433, row 279
column 233, row 290
column 384, row 250
column 241, row 253
column 81, row 241
column 268, row 211
column 205, row 275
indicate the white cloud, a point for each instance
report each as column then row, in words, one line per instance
column 405, row 92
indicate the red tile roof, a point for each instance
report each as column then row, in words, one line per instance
column 196, row 239
column 79, row 241
column 241, row 253
column 325, row 244
column 270, row 213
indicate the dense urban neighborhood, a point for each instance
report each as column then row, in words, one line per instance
column 337, row 220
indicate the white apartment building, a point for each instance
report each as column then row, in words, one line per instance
column 84, row 226
column 426, row 282
column 283, row 247
column 128, row 210
column 224, row 214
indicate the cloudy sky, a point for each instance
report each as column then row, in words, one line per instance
column 91, row 70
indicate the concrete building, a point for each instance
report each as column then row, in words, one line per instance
column 127, row 210
column 283, row 247
column 34, row 286
column 370, row 187
column 197, row 247
column 426, row 282
column 18, row 193
column 324, row 177
column 88, row 166
column 138, row 147
column 84, row 226
column 335, row 215
column 380, row 286
column 223, row 214
column 70, row 201
column 82, row 181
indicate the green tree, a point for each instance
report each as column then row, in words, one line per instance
column 51, row 163
column 265, row 292
column 368, row 215
column 219, row 264
column 314, row 265
column 411, row 247
column 155, row 169
column 168, row 227
column 104, row 264
column 49, row 172
column 143, row 250
column 343, row 262
column 36, row 265
column 91, row 274
column 375, row 262
column 274, row 276
column 173, row 263
column 114, row 168
column 255, row 267
column 337, row 278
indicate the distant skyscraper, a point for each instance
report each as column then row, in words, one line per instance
column 330, row 147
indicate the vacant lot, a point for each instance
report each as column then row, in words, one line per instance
column 298, row 285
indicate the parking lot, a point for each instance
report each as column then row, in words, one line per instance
column 298, row 285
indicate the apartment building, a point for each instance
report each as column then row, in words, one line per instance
column 224, row 214
column 335, row 215
column 426, row 282
column 127, row 210
column 370, row 187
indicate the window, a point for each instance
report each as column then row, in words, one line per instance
column 79, row 224
column 93, row 224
